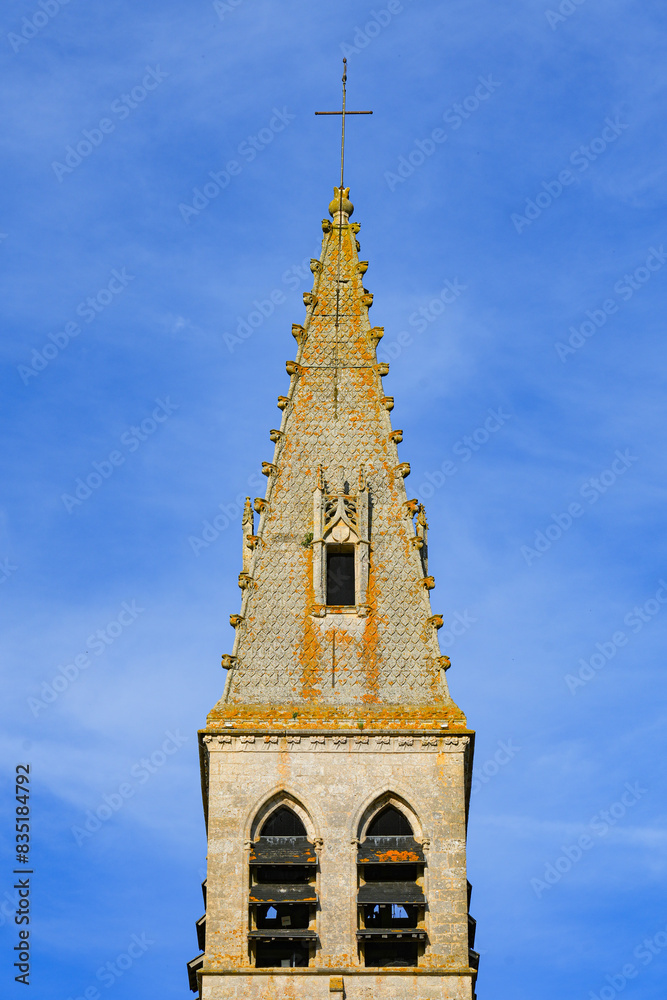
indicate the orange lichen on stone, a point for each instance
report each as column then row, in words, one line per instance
column 370, row 646
column 310, row 648
column 398, row 856
column 299, row 716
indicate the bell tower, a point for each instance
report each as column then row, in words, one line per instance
column 336, row 767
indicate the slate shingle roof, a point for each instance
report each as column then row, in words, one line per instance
column 336, row 418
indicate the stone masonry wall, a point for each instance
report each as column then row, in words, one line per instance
column 335, row 778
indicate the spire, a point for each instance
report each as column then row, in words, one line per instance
column 336, row 612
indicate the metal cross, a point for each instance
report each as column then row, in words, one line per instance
column 343, row 113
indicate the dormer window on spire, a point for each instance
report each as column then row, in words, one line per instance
column 340, row 545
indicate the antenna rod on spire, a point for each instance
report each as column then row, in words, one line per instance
column 343, row 113
column 342, row 140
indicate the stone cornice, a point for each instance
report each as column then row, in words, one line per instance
column 354, row 971
column 309, row 741
column 304, row 717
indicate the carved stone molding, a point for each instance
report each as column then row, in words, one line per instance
column 282, row 402
column 362, row 742
column 437, row 621
column 268, row 468
column 362, row 266
column 455, row 742
column 376, row 335
column 445, row 662
column 245, row 581
column 382, row 368
column 228, row 661
column 220, row 741
column 411, row 507
column 327, row 225
column 428, row 581
column 248, row 530
column 396, row 436
column 367, row 299
column 355, row 227
column 402, row 470
column 259, row 504
column 235, row 620
column 292, row 368
column 275, row 435
column 315, row 266
column 309, row 299
column 421, row 531
column 299, row 333
column 388, row 402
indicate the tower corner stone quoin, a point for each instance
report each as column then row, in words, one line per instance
column 336, row 768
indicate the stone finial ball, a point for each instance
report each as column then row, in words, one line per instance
column 341, row 204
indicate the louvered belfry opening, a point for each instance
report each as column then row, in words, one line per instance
column 391, row 903
column 283, row 895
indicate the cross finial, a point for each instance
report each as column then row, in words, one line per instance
column 342, row 113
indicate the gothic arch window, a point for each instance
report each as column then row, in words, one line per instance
column 390, row 902
column 283, row 892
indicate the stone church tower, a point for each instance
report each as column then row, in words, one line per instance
column 336, row 767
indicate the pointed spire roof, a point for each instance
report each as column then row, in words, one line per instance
column 336, row 478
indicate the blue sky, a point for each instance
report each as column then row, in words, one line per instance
column 542, row 204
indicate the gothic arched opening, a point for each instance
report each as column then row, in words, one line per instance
column 389, row 822
column 283, row 822
column 391, row 903
column 283, row 895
